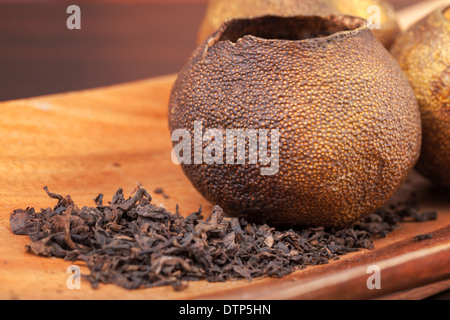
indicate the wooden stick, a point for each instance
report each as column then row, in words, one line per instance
column 411, row 14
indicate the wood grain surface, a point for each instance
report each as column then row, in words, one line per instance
column 86, row 142
column 435, row 290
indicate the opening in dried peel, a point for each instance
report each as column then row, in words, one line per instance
column 289, row 28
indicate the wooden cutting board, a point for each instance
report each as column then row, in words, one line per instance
column 83, row 143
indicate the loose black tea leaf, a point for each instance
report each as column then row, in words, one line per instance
column 99, row 200
column 422, row 237
column 24, row 222
column 161, row 192
column 416, row 216
column 135, row 244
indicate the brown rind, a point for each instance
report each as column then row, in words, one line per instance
column 348, row 120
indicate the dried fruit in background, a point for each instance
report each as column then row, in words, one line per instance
column 369, row 9
column 423, row 52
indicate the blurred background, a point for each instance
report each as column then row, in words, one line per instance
column 119, row 41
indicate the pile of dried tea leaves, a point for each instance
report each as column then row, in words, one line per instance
column 135, row 244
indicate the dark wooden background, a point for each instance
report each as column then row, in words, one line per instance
column 119, row 41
